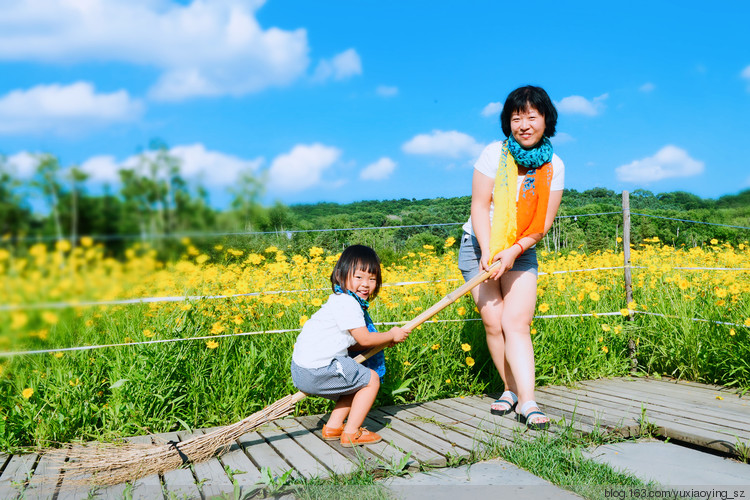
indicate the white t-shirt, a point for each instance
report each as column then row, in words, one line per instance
column 326, row 334
column 489, row 162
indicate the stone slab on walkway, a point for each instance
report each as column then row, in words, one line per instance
column 490, row 479
column 672, row 465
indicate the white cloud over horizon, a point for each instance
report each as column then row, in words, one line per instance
column 210, row 168
column 746, row 75
column 64, row 109
column 450, row 144
column 302, row 167
column 201, row 49
column 378, row 171
column 493, row 108
column 669, row 162
column 561, row 138
column 647, row 87
column 340, row 67
column 578, row 105
column 386, row 91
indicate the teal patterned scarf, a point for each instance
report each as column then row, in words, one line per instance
column 376, row 362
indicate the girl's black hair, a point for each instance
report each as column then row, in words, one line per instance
column 357, row 258
column 527, row 97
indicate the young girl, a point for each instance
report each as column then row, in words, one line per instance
column 321, row 365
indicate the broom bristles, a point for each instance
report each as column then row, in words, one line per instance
column 113, row 463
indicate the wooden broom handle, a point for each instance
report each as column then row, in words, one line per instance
column 436, row 308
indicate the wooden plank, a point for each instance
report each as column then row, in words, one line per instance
column 263, row 455
column 429, row 422
column 304, row 463
column 211, row 475
column 317, row 447
column 178, row 483
column 373, row 457
column 414, row 432
column 483, row 432
column 401, row 442
column 46, row 477
column 16, row 474
column 674, row 430
column 148, row 487
column 704, row 402
column 725, row 391
column 677, row 411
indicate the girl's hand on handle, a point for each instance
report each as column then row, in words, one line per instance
column 399, row 334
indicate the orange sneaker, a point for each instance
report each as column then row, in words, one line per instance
column 362, row 436
column 332, row 433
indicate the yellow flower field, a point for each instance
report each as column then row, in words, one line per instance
column 220, row 377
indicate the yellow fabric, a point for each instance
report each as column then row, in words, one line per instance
column 513, row 220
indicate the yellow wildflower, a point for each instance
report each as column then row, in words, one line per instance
column 302, row 320
column 202, row 258
column 543, row 308
column 212, row 344
column 406, row 363
column 714, row 241
column 428, row 247
column 605, row 327
column 624, row 312
column 466, row 347
column 62, row 245
column 632, row 304
column 449, row 242
column 594, row 296
column 58, row 355
column 87, row 242
column 461, row 310
column 435, row 347
column 721, row 293
column 684, row 284
column 469, row 361
column 271, row 249
column 533, row 331
column 447, row 381
column 605, row 349
column 732, row 332
column 74, row 382
column 50, row 317
column 27, row 393
column 148, row 333
column 316, row 302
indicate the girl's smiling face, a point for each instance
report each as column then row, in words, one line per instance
column 527, row 127
column 361, row 283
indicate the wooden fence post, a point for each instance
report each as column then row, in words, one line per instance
column 628, row 275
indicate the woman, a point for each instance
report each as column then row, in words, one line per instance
column 520, row 181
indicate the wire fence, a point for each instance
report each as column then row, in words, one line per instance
column 147, row 300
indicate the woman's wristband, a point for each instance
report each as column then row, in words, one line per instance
column 519, row 246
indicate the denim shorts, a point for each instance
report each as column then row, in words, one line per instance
column 469, row 255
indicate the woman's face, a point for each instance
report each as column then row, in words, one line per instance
column 527, row 127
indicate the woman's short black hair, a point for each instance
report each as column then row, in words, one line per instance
column 527, row 97
column 357, row 258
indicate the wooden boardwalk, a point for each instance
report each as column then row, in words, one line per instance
column 433, row 433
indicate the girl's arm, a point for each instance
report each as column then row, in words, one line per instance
column 366, row 338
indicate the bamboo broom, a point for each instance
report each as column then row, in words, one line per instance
column 112, row 463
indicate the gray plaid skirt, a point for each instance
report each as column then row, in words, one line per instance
column 341, row 377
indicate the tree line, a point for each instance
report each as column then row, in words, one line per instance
column 154, row 201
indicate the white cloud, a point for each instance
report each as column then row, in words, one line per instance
column 746, row 75
column 647, row 87
column 378, row 171
column 451, row 144
column 340, row 67
column 670, row 161
column 63, row 108
column 576, row 104
column 386, row 91
column 23, row 164
column 561, row 138
column 210, row 168
column 302, row 167
column 492, row 108
column 202, row 48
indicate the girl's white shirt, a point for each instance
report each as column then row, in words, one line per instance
column 489, row 162
column 326, row 334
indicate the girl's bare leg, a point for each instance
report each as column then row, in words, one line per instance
column 361, row 403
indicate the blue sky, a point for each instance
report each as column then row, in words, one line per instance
column 345, row 101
